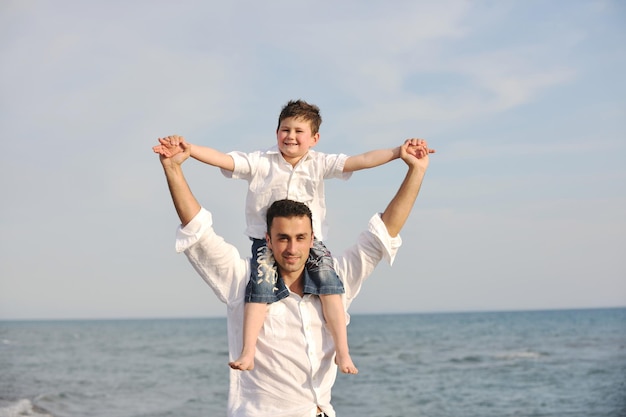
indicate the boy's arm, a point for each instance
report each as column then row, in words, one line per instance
column 370, row 159
column 378, row 157
column 213, row 157
column 172, row 145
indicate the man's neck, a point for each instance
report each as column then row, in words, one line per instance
column 295, row 282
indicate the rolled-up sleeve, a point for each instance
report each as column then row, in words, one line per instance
column 333, row 166
column 390, row 245
column 216, row 261
column 243, row 165
column 191, row 233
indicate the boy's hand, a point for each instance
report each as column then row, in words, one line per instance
column 418, row 148
column 414, row 152
column 177, row 159
column 169, row 146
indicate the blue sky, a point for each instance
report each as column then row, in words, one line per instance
column 523, row 206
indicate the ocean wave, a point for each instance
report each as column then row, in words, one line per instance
column 23, row 407
column 468, row 359
column 524, row 354
column 504, row 356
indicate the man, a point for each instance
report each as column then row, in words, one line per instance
column 294, row 367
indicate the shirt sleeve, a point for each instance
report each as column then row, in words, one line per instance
column 333, row 166
column 390, row 245
column 191, row 233
column 359, row 261
column 216, row 261
column 244, row 165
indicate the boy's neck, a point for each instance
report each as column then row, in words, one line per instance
column 294, row 161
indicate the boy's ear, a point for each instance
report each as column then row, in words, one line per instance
column 316, row 138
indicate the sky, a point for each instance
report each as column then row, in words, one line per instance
column 523, row 205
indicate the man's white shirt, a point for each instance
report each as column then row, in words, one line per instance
column 294, row 363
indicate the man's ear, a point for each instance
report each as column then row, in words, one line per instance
column 312, row 239
column 268, row 240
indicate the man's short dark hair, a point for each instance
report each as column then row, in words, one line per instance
column 287, row 208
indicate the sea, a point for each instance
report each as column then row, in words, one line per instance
column 558, row 363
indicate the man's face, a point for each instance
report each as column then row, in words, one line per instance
column 290, row 239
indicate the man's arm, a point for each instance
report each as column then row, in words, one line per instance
column 216, row 261
column 414, row 152
column 184, row 201
column 377, row 157
column 381, row 240
column 172, row 145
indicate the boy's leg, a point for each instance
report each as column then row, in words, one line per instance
column 330, row 288
column 263, row 287
column 335, row 316
column 253, row 318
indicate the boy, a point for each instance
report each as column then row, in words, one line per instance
column 290, row 170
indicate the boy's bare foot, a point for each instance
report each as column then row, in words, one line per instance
column 243, row 363
column 345, row 365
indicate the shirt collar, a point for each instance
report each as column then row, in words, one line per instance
column 274, row 151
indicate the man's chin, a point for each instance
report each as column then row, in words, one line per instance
column 291, row 267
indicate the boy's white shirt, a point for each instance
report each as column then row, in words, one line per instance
column 271, row 178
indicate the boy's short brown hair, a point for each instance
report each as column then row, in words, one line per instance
column 300, row 109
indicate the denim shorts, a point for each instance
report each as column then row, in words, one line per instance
column 266, row 285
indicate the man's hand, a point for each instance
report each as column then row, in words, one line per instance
column 415, row 152
column 169, row 159
column 169, row 146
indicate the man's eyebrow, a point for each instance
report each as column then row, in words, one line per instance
column 287, row 235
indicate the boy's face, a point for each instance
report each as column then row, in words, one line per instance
column 295, row 138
